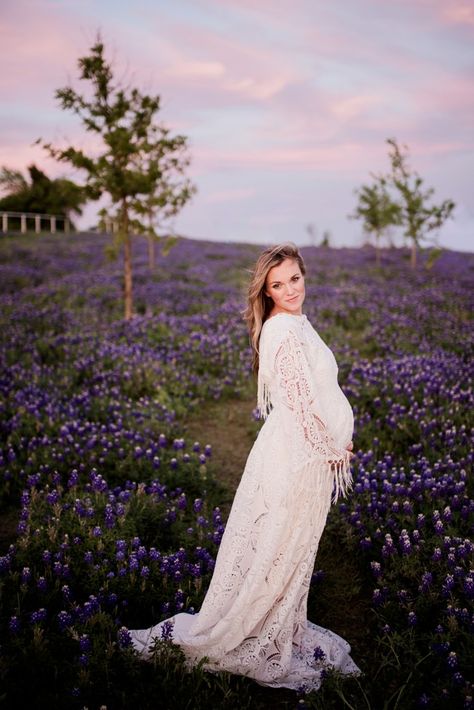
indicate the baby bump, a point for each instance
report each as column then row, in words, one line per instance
column 336, row 412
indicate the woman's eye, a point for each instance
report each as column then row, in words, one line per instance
column 296, row 278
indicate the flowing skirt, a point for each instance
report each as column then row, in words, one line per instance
column 253, row 620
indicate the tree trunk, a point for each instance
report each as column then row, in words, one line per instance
column 127, row 274
column 377, row 248
column 413, row 255
column 151, row 253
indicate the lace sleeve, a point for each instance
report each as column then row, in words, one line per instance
column 310, row 438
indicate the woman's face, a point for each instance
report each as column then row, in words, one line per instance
column 285, row 286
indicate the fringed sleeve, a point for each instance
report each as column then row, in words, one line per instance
column 311, row 441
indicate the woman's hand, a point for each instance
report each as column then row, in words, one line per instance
column 349, row 448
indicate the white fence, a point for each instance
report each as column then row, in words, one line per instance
column 34, row 220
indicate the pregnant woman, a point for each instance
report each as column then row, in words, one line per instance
column 253, row 619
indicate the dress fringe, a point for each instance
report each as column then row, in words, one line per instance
column 264, row 404
column 342, row 477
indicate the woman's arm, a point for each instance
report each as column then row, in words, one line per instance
column 308, row 430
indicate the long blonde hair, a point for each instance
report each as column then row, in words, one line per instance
column 259, row 305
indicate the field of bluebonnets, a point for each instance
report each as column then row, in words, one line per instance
column 112, row 515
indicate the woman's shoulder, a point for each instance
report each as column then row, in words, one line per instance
column 283, row 321
column 278, row 326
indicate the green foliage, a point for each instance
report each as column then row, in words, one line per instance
column 141, row 165
column 418, row 216
column 377, row 210
column 399, row 199
column 41, row 194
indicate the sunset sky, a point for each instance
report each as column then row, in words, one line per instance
column 287, row 103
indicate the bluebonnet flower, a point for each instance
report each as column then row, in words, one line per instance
column 318, row 654
column 423, row 701
column 64, row 620
column 426, row 581
column 452, row 660
column 38, row 616
column 167, row 630
column 5, row 563
column 377, row 597
column 133, row 563
column 52, row 497
column 469, row 586
column 197, row 505
column 73, row 479
column 14, row 624
column 85, row 643
column 124, row 638
column 376, row 568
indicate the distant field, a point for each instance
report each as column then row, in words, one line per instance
column 112, row 512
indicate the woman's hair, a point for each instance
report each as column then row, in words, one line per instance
column 259, row 305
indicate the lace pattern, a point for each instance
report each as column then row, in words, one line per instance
column 289, row 389
column 253, row 620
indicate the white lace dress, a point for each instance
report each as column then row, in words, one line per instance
column 253, row 619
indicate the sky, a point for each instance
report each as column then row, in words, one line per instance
column 287, row 104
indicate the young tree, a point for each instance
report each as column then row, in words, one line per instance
column 417, row 215
column 377, row 210
column 136, row 152
column 170, row 190
column 312, row 231
column 326, row 238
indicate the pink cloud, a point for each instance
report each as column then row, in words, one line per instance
column 230, row 195
column 193, row 70
column 458, row 13
column 306, row 158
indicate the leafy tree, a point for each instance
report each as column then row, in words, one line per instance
column 138, row 159
column 377, row 210
column 40, row 195
column 417, row 215
column 12, row 181
column 312, row 232
column 326, row 239
column 170, row 190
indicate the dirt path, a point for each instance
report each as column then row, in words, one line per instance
column 229, row 428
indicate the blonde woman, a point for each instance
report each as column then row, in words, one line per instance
column 253, row 619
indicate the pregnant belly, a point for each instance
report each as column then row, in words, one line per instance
column 339, row 417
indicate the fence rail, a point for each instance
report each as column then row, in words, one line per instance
column 36, row 219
